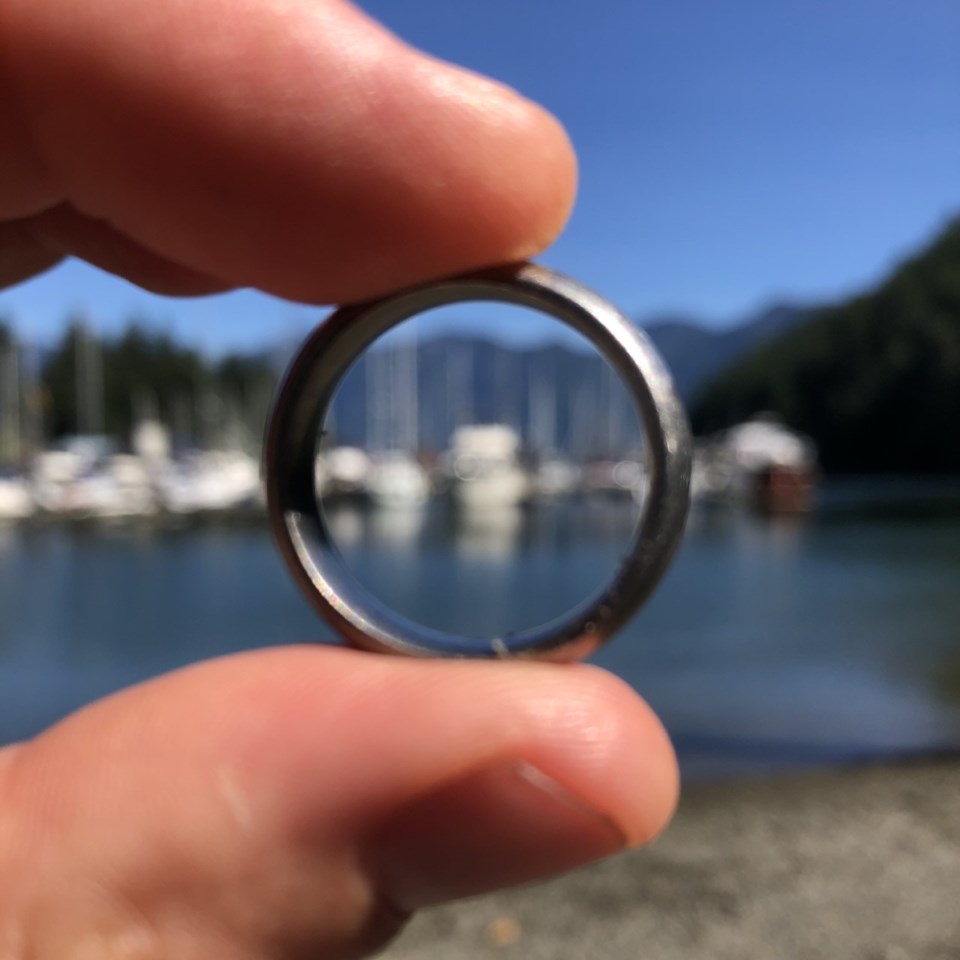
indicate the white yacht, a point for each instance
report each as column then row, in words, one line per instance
column 342, row 471
column 397, row 480
column 117, row 487
column 557, row 477
column 16, row 499
column 210, row 481
column 484, row 466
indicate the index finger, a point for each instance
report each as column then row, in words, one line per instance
column 291, row 145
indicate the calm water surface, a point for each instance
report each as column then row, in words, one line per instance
column 769, row 644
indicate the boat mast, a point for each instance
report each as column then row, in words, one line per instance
column 89, row 383
column 406, row 398
column 543, row 408
column 10, row 439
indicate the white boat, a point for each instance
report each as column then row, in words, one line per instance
column 343, row 471
column 116, row 488
column 395, row 480
column 210, row 482
column 115, row 491
column 52, row 471
column 16, row 499
column 557, row 477
column 484, row 467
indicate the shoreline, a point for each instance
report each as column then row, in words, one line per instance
column 857, row 862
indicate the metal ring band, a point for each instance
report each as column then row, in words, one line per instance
column 305, row 397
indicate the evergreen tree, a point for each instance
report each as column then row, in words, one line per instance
column 97, row 385
column 875, row 381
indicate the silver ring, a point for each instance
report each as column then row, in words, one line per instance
column 300, row 410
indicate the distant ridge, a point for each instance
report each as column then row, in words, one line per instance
column 875, row 380
column 696, row 354
column 556, row 397
column 472, row 378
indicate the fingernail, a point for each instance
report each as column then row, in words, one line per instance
column 502, row 826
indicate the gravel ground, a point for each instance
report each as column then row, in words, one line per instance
column 859, row 864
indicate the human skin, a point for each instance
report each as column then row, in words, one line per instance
column 303, row 801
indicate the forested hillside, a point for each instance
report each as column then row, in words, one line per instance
column 875, row 381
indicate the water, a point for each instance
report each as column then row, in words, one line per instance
column 769, row 644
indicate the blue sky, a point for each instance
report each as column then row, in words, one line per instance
column 733, row 152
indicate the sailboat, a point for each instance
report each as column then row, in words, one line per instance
column 16, row 497
column 555, row 475
column 396, row 480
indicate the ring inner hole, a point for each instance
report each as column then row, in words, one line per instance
column 481, row 469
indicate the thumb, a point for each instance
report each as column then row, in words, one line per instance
column 301, row 802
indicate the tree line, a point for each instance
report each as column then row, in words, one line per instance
column 104, row 385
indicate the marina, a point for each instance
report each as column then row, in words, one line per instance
column 759, row 465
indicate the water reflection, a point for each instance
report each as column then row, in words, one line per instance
column 397, row 527
column 484, row 571
column 767, row 643
column 487, row 535
column 347, row 526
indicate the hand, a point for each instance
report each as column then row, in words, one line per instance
column 296, row 802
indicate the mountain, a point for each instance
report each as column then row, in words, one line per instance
column 875, row 380
column 696, row 354
column 553, row 395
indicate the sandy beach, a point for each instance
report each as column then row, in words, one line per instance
column 857, row 863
